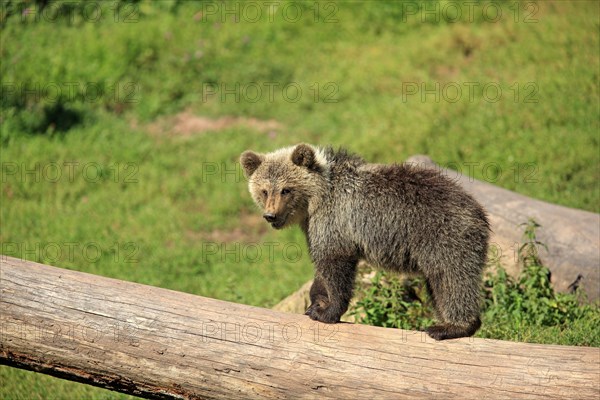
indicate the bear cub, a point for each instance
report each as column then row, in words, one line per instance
column 397, row 217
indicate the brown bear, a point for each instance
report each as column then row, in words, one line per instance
column 398, row 217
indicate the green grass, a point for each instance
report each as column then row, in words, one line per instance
column 152, row 202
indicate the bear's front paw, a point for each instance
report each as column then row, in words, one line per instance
column 321, row 310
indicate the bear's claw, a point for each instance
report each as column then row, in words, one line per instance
column 317, row 313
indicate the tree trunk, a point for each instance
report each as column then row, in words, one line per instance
column 158, row 343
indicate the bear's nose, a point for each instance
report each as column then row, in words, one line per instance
column 269, row 217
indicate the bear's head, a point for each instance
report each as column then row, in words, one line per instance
column 282, row 183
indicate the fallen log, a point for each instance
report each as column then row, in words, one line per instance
column 158, row 343
column 572, row 236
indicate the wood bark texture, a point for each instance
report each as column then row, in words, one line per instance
column 158, row 343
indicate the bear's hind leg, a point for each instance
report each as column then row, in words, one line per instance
column 457, row 305
column 453, row 331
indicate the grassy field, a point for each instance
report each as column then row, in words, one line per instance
column 122, row 123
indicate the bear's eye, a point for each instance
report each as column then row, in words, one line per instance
column 285, row 191
column 264, row 193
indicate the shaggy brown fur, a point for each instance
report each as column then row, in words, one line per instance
column 398, row 217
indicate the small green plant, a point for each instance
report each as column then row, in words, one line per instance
column 525, row 308
column 515, row 308
column 392, row 303
column 530, row 299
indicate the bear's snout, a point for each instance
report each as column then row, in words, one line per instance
column 277, row 221
column 270, row 217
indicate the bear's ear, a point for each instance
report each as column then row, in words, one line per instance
column 250, row 162
column 304, row 156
